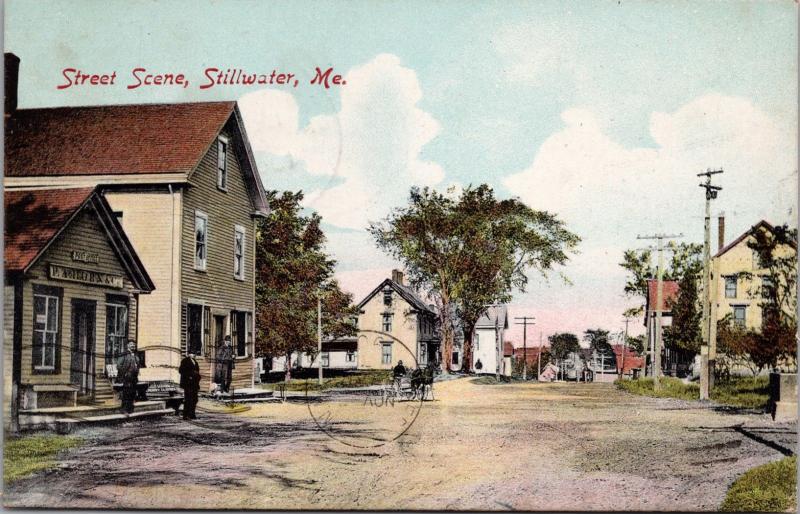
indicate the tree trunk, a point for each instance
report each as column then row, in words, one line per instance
column 288, row 375
column 447, row 338
column 466, row 362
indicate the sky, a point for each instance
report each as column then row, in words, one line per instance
column 600, row 112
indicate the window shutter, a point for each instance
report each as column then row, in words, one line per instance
column 207, row 331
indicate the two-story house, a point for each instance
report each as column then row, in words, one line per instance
column 738, row 279
column 395, row 324
column 182, row 181
column 488, row 340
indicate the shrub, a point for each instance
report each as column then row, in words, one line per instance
column 767, row 488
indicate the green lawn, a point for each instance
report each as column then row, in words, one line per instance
column 738, row 391
column 23, row 456
column 360, row 379
column 767, row 488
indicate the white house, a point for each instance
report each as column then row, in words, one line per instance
column 487, row 340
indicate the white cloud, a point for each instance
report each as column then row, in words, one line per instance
column 373, row 142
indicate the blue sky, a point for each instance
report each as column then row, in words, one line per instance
column 600, row 111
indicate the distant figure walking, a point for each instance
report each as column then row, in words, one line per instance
column 128, row 374
column 225, row 365
column 190, row 383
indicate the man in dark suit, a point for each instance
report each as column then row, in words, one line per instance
column 225, row 365
column 128, row 374
column 190, row 383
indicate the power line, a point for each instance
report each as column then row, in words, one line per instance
column 524, row 323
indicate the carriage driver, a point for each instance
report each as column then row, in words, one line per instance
column 398, row 373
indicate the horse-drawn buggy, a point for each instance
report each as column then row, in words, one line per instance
column 416, row 384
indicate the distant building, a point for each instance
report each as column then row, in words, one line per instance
column 628, row 360
column 488, row 339
column 670, row 359
column 395, row 324
column 337, row 354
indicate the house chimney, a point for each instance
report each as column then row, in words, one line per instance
column 397, row 276
column 11, row 68
column 721, row 231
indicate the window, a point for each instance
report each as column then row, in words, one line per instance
column 387, row 296
column 455, row 357
column 423, row 354
column 116, row 327
column 351, row 356
column 194, row 329
column 730, row 287
column 222, row 163
column 739, row 315
column 238, row 252
column 325, row 359
column 240, row 332
column 766, row 286
column 200, row 240
column 387, row 322
column 46, row 323
column 386, row 353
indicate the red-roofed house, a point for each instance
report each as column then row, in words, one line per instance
column 669, row 295
column 72, row 286
column 182, row 181
column 629, row 361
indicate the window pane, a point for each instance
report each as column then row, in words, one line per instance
column 122, row 321
column 50, row 350
column 52, row 314
column 38, row 348
column 39, row 309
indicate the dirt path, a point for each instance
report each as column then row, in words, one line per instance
column 514, row 446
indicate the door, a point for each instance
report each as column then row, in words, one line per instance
column 83, row 345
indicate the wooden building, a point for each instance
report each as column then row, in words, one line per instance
column 394, row 324
column 71, row 296
column 182, row 180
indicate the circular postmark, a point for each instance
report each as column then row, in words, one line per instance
column 369, row 416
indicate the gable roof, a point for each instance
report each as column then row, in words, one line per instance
column 494, row 316
column 405, row 292
column 121, row 140
column 35, row 219
column 670, row 294
column 761, row 224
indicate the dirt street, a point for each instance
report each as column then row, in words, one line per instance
column 487, row 447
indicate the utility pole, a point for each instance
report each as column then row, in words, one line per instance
column 524, row 324
column 710, row 350
column 659, row 304
column 624, row 347
column 319, row 337
column 539, row 359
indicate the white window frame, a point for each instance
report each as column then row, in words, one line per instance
column 222, row 164
column 47, row 330
column 736, row 321
column 351, row 356
column 735, row 281
column 201, row 264
column 384, row 344
column 325, row 359
column 237, row 231
column 387, row 321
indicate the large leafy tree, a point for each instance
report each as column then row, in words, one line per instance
column 293, row 270
column 562, row 344
column 471, row 251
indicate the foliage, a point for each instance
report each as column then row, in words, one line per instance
column 292, row 271
column 745, row 347
column 636, row 343
column 470, row 251
column 533, row 364
column 561, row 344
column 744, row 392
column 767, row 488
column 26, row 455
column 686, row 260
column 685, row 332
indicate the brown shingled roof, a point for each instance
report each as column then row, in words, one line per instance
column 114, row 139
column 33, row 218
column 670, row 294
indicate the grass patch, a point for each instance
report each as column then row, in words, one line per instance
column 361, row 379
column 24, row 456
column 767, row 488
column 492, row 380
column 745, row 392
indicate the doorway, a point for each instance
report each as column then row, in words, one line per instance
column 83, row 345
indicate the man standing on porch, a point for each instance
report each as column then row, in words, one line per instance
column 190, row 383
column 128, row 373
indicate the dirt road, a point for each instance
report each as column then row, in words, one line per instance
column 488, row 447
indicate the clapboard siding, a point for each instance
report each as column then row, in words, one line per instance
column 84, row 233
column 216, row 287
column 8, row 352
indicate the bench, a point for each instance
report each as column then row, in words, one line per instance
column 141, row 387
column 164, row 390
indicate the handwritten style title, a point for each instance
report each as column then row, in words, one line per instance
column 212, row 77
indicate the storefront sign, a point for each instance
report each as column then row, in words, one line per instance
column 83, row 276
column 88, row 257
